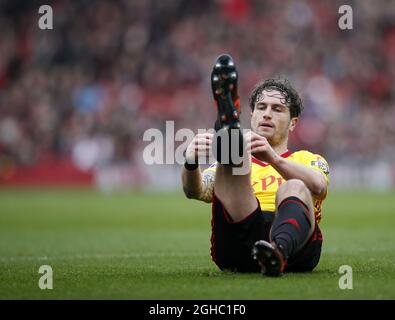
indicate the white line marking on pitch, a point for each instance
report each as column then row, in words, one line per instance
column 101, row 256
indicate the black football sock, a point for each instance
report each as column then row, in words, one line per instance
column 291, row 226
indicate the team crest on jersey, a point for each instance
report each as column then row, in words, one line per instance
column 320, row 163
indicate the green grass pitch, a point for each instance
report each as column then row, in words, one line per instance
column 157, row 246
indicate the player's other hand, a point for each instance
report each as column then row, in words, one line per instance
column 200, row 147
column 260, row 148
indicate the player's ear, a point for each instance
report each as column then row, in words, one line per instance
column 292, row 123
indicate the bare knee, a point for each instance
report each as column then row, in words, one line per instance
column 294, row 188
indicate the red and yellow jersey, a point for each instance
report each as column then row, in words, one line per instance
column 265, row 180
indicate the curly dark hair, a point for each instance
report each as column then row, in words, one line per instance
column 283, row 85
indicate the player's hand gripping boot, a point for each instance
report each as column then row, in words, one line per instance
column 269, row 257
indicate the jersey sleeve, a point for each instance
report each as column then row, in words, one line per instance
column 316, row 162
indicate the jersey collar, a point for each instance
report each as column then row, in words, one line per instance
column 264, row 164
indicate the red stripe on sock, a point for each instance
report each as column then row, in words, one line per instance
column 295, row 201
column 294, row 222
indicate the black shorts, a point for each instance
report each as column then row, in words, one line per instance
column 231, row 243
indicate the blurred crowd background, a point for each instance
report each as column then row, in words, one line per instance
column 85, row 92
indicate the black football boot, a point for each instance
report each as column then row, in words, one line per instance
column 224, row 86
column 269, row 257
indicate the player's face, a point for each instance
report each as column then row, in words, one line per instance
column 271, row 118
